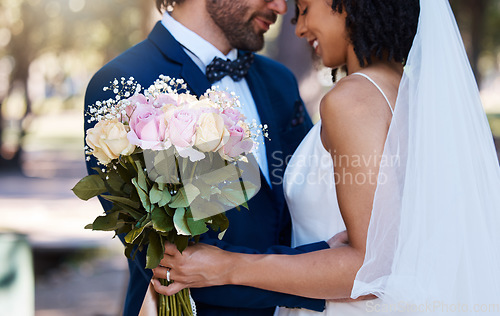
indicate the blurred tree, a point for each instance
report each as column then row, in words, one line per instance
column 479, row 22
column 86, row 31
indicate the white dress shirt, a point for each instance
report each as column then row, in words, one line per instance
column 202, row 53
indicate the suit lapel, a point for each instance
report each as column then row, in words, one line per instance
column 262, row 100
column 171, row 49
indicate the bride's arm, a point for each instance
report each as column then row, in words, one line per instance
column 354, row 132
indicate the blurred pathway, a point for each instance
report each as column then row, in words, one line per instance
column 79, row 272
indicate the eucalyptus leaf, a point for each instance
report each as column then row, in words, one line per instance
column 141, row 177
column 179, row 200
column 180, row 222
column 196, row 227
column 185, row 196
column 155, row 251
column 161, row 221
column 165, row 199
column 142, row 195
column 155, row 195
column 89, row 187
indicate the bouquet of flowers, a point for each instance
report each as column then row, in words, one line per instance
column 171, row 164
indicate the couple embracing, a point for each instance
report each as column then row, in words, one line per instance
column 352, row 245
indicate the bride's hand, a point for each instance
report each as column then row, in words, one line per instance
column 339, row 240
column 200, row 265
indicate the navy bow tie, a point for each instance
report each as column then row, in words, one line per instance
column 236, row 69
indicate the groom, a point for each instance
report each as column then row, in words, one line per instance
column 183, row 45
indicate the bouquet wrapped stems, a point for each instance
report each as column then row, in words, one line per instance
column 177, row 304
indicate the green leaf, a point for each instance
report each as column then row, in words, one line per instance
column 155, row 251
column 115, row 182
column 161, row 186
column 185, row 196
column 134, row 234
column 161, row 221
column 196, row 227
column 88, row 226
column 109, row 222
column 141, row 177
column 155, row 195
column 159, row 196
column 179, row 200
column 219, row 222
column 128, row 250
column 89, row 187
column 119, row 200
column 166, row 198
column 142, row 195
column 180, row 222
column 125, row 229
column 181, row 242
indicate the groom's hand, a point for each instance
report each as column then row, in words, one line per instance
column 339, row 240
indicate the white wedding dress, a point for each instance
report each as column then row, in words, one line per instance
column 309, row 187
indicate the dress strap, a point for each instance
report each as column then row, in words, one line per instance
column 379, row 89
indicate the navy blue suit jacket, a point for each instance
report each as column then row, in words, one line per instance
column 265, row 227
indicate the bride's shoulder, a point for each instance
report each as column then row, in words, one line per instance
column 349, row 97
column 349, row 115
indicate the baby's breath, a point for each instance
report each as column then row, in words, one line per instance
column 113, row 107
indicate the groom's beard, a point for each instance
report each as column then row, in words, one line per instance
column 230, row 17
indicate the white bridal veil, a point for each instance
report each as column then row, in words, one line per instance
column 434, row 236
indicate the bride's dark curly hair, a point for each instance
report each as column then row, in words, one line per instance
column 379, row 28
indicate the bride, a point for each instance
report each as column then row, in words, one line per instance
column 402, row 159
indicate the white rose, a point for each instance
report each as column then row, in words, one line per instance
column 211, row 133
column 108, row 140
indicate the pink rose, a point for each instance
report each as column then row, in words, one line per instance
column 148, row 128
column 132, row 103
column 231, row 116
column 238, row 142
column 165, row 100
column 182, row 128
